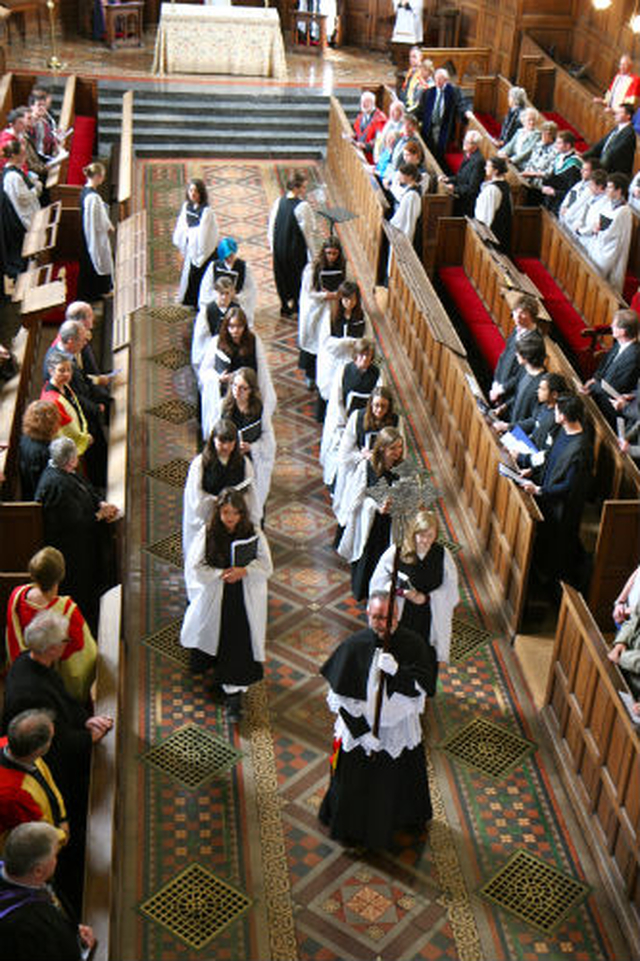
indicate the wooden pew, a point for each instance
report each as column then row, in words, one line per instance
column 467, row 62
column 597, row 749
column 13, row 400
column 79, row 111
column 505, row 517
column 550, row 86
column 616, row 476
column 124, row 158
column 14, row 92
column 616, row 556
column 130, row 280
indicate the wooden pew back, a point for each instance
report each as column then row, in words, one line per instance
column 14, row 92
column 597, row 748
column 125, row 159
column 465, row 61
column 13, row 401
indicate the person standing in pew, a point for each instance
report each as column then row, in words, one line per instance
column 565, row 172
column 493, row 206
column 531, row 356
column 465, row 185
column 507, row 372
column 541, row 426
column 572, row 207
column 438, row 110
column 18, row 206
column 558, row 552
column 95, row 279
column 624, row 88
column 616, row 151
column 517, row 102
column 368, row 124
column 619, row 369
column 609, row 244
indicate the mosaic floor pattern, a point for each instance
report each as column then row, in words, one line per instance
column 250, row 826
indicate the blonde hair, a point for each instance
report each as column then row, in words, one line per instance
column 93, row 169
column 421, row 521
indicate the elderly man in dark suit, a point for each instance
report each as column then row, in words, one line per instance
column 465, row 185
column 619, row 368
column 438, row 108
column 616, row 151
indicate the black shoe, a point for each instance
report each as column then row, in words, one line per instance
column 234, row 707
column 286, row 312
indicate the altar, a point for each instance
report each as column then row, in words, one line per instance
column 243, row 41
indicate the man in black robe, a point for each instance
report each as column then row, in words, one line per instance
column 288, row 242
column 378, row 784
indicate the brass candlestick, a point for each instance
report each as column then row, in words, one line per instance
column 54, row 63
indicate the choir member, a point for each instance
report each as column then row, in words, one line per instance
column 256, row 440
column 338, row 335
column 290, row 232
column 231, row 267
column 226, row 573
column 209, row 320
column 18, row 205
column 96, row 260
column 195, row 236
column 319, row 289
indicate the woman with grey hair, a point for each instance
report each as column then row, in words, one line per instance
column 73, row 513
column 57, row 389
column 517, row 101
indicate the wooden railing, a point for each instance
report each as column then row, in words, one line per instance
column 130, row 284
column 465, row 61
column 598, row 752
column 13, row 400
column 504, row 516
column 354, row 184
column 125, row 158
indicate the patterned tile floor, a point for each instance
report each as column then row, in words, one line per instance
column 253, row 825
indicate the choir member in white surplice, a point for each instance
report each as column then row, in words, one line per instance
column 349, row 392
column 234, row 347
column 319, row 289
column 209, row 320
column 226, row 621
column 96, row 259
column 195, row 236
column 256, row 439
column 338, row 335
column 408, row 23
column 229, row 265
column 609, row 247
column 220, row 465
column 428, row 582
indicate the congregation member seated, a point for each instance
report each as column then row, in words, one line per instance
column 16, row 126
column 48, row 137
column 561, row 494
column 393, row 125
column 233, row 347
column 624, row 88
column 35, row 163
column 618, row 371
column 608, row 245
column 40, row 424
column 19, row 204
column 196, row 236
column 521, row 404
column 256, row 440
column 368, row 124
column 508, row 371
column 516, row 102
column 230, row 266
column 209, row 319
column 426, row 79
column 410, row 130
column 74, row 517
column 36, row 920
column 616, row 151
column 412, row 153
column 494, row 207
column 589, row 218
column 626, row 644
column 350, row 391
column 572, row 209
column 564, row 173
column 427, row 586
column 465, row 185
column 439, row 108
column 384, row 162
column 28, row 791
column 542, row 159
column 541, row 426
column 524, row 141
column 367, row 534
column 321, row 280
column 629, row 438
column 57, row 390
column 338, row 336
column 220, row 465
column 77, row 666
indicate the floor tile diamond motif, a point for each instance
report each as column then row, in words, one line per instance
column 168, row 549
column 192, row 756
column 452, row 546
column 175, row 411
column 195, row 906
column 535, row 892
column 172, row 357
column 174, row 472
column 489, row 748
column 466, row 637
column 166, row 641
column 170, row 314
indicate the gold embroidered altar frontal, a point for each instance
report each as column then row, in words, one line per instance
column 231, row 40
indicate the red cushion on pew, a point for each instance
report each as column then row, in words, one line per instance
column 72, row 268
column 635, row 302
column 630, row 289
column 475, row 315
column 490, row 124
column 81, row 153
column 453, row 160
column 581, row 144
column 538, row 273
column 567, row 319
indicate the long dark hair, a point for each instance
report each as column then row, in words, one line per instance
column 224, row 429
column 247, row 344
column 321, row 263
column 255, row 397
column 389, row 420
column 218, row 538
column 201, row 187
column 387, row 437
column 347, row 289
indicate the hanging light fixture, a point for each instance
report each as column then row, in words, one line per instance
column 601, row 4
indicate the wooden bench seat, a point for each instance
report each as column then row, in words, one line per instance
column 79, row 112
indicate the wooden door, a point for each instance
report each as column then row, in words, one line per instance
column 368, row 23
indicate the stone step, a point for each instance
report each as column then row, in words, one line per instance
column 216, row 125
column 304, row 151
